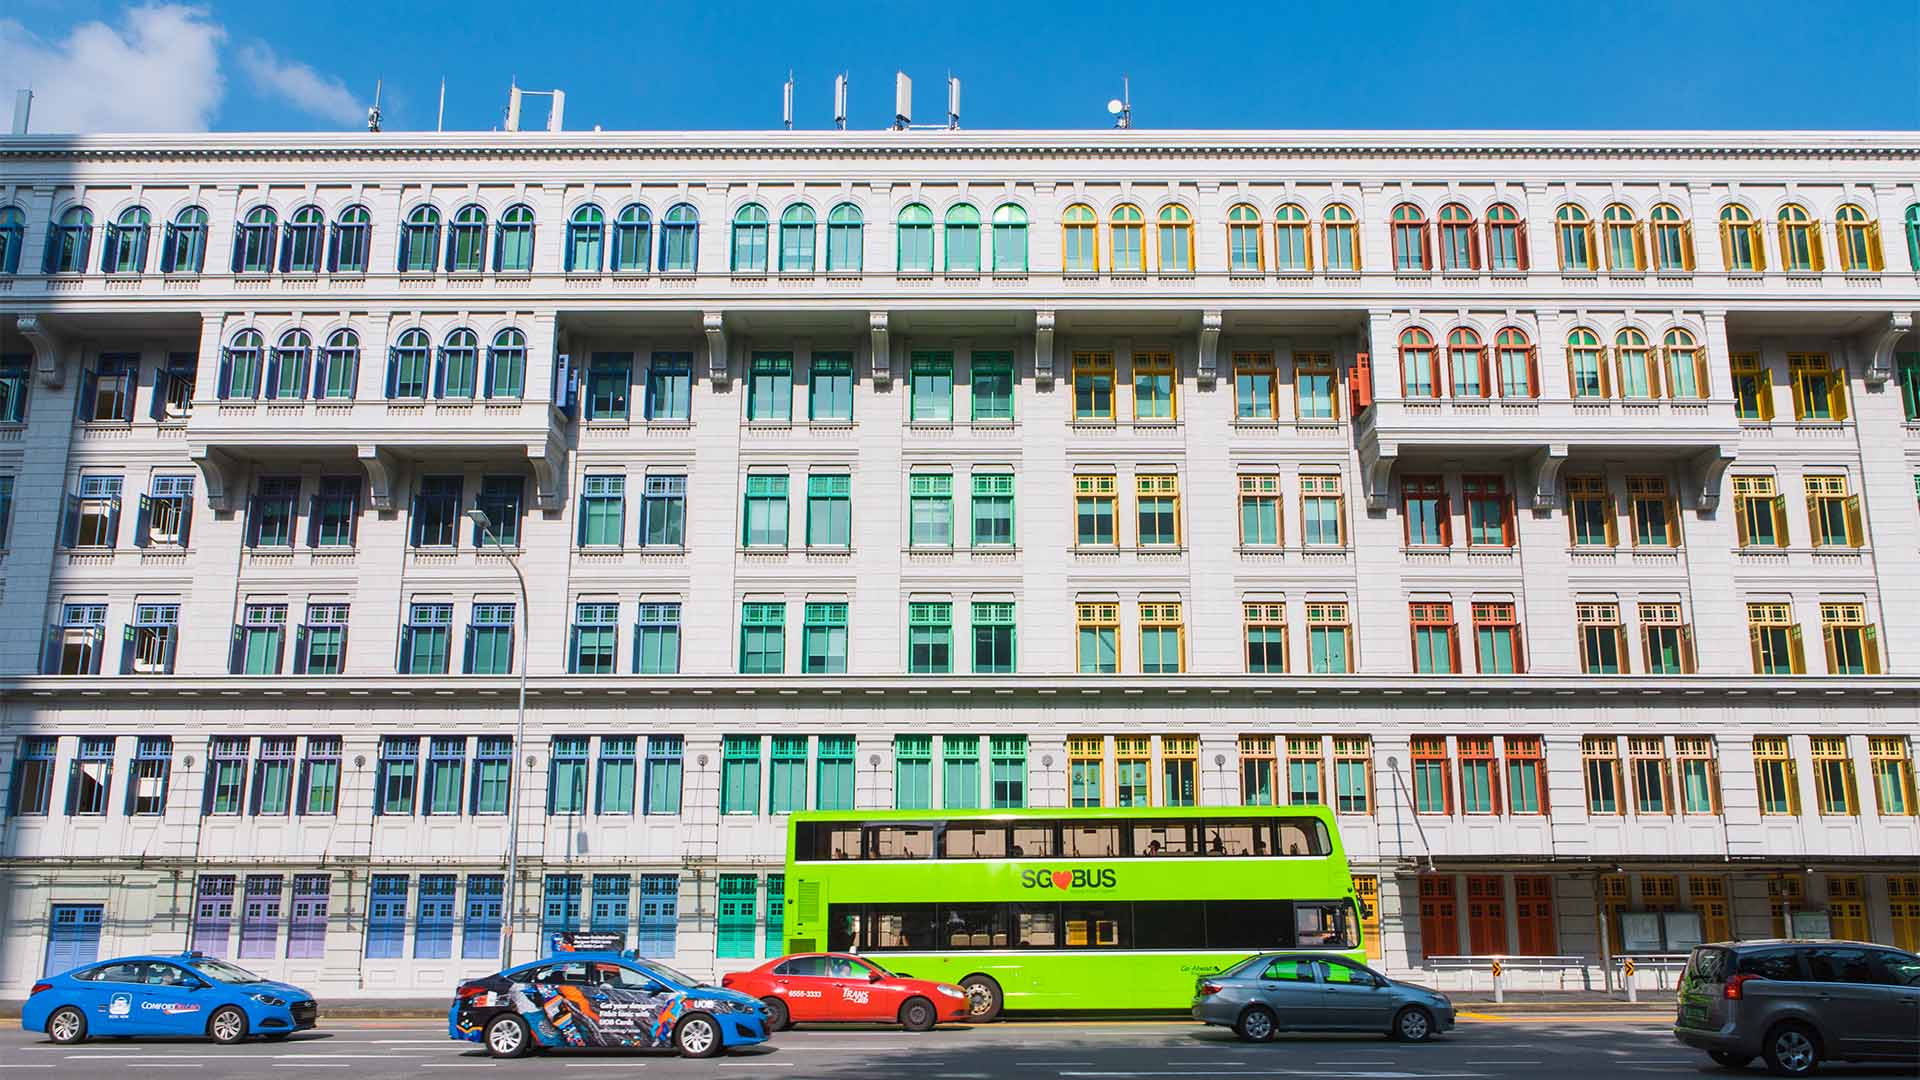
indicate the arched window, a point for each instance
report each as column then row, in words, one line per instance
column 338, row 374
column 1419, row 364
column 1672, row 239
column 301, row 245
column 1292, row 240
column 68, row 242
column 1245, row 253
column 1586, row 364
column 1626, row 242
column 1467, row 360
column 1573, row 236
column 632, row 239
column 1506, row 240
column 914, row 239
column 419, row 240
column 13, row 233
column 962, row 239
column 457, row 375
column 1634, row 359
column 586, row 229
column 507, row 364
column 796, row 239
column 185, row 248
column 513, row 240
column 409, row 363
column 352, row 241
column 1858, row 237
column 240, row 365
column 1411, row 250
column 750, row 239
column 1686, row 365
column 1079, row 240
column 1009, row 239
column 1340, row 239
column 125, row 249
column 1459, row 249
column 1913, row 235
column 1127, row 240
column 1800, row 247
column 287, row 368
column 253, row 241
column 680, row 240
column 1740, row 242
column 467, row 241
column 1517, row 363
column 1176, row 240
column 846, row 253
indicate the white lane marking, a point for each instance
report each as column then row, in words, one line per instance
column 759, row 1064
column 146, row 1057
column 311, row 1065
column 48, row 1066
column 608, row 1064
column 459, row 1064
column 338, row 1057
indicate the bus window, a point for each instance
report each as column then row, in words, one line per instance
column 1250, row 924
column 820, row 841
column 1033, row 842
column 1035, row 926
column 1169, row 924
column 1090, row 841
column 973, row 926
column 1164, row 838
column 1236, row 837
column 974, row 842
column 843, row 927
column 1302, row 836
column 1099, row 926
column 903, row 926
column 900, row 841
column 1322, row 925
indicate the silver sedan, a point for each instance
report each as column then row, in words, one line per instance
column 1276, row 992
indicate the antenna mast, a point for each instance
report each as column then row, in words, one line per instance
column 840, row 101
column 373, row 113
column 786, row 100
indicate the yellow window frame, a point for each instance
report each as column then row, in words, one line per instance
column 1804, row 368
column 1751, row 488
column 1775, row 750
column 1827, row 488
column 1747, row 366
column 1156, row 363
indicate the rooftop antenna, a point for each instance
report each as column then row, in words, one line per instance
column 373, row 111
column 902, row 101
column 440, row 120
column 22, row 105
column 786, row 100
column 953, row 102
column 840, row 101
column 554, row 117
column 1122, row 106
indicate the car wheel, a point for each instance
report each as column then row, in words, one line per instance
column 698, row 1036
column 1791, row 1050
column 1256, row 1024
column 917, row 1015
column 983, row 998
column 506, row 1036
column 227, row 1025
column 778, row 1018
column 67, row 1025
column 1413, row 1024
column 1727, row 1059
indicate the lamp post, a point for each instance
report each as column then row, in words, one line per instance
column 485, row 524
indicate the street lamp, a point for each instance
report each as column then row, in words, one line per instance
column 485, row 524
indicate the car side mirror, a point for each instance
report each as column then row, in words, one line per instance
column 873, row 976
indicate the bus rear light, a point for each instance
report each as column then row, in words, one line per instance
column 1207, row 988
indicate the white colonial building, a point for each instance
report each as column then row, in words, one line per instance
column 1543, row 502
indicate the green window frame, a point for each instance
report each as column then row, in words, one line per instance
column 962, row 239
column 930, row 637
column 829, row 510
column 763, row 638
column 830, row 387
column 1010, row 239
column 618, row 774
column 930, row 386
column 914, row 239
column 991, row 380
column 609, row 386
column 603, row 511
column 994, row 646
column 1908, row 366
column 656, row 639
column 824, row 639
column 490, row 639
column 992, row 510
column 665, row 772
column 787, row 775
column 913, row 772
column 567, row 775
column 770, row 388
column 776, row 914
column 734, row 927
column 740, row 774
column 492, row 775
column 960, row 772
column 930, row 505
column 1008, row 760
column 764, row 522
column 834, row 780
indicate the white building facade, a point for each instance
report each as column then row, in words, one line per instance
column 1547, row 504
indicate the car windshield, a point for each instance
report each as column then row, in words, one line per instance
column 221, row 971
column 672, row 974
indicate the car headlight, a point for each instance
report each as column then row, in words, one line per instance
column 268, row 1000
column 953, row 992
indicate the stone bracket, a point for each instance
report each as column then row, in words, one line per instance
column 1043, row 348
column 1376, row 470
column 1880, row 364
column 47, row 347
column 1547, row 463
column 882, row 348
column 381, row 469
column 1209, row 363
column 1709, row 469
column 219, row 475
column 549, row 462
column 714, row 324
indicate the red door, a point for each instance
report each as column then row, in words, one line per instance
column 804, row 979
column 1486, row 915
column 854, row 994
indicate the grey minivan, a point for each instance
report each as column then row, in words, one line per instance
column 1798, row 1003
column 1276, row 992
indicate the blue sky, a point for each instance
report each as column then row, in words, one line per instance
column 273, row 65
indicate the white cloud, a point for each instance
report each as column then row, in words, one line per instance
column 158, row 71
column 321, row 96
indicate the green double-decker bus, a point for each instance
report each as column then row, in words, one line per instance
column 1116, row 908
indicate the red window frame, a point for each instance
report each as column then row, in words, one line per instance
column 1478, row 491
column 1410, row 218
column 1439, row 915
column 1504, row 216
column 1533, row 915
column 1486, row 914
column 1457, row 218
column 1434, row 748
column 1480, row 748
column 1465, row 342
column 1425, row 487
column 1514, row 339
column 1526, row 750
column 1428, row 615
column 1416, row 342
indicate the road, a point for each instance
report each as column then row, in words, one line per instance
column 1591, row 1047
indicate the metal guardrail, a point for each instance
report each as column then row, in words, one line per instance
column 1630, row 966
column 1500, row 965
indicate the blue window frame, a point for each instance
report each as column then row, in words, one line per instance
column 659, row 915
column 796, row 239
column 288, row 366
column 320, row 788
column 456, row 374
column 845, row 250
column 90, row 777
column 446, row 774
column 241, row 366
column 152, row 772
column 567, row 775
column 656, row 640
column 632, row 239
column 425, row 639
column 513, row 240
column 409, row 366
column 124, row 250
column 273, row 777
column 212, row 914
column 433, row 931
column 663, row 512
column 270, row 512
column 609, row 380
column 492, row 774
column 387, row 917
column 503, row 498
column 586, row 231
column 612, row 902
column 13, row 234
column 680, row 240
column 74, row 643
column 320, row 644
column 617, row 768
column 750, row 239
column 337, row 376
column 33, row 775
column 260, row 641
column 664, row 754
column 560, row 913
column 226, row 788
column 253, row 243
column 149, row 645
column 670, row 386
column 596, row 638
column 14, row 385
column 184, row 250
column 301, row 242
column 420, row 240
column 467, row 241
column 603, row 511
column 507, row 364
column 399, row 773
column 490, row 640
column 480, row 935
column 352, row 241
column 68, row 242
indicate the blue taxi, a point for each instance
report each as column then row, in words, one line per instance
column 185, row 995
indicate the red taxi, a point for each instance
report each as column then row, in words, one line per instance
column 813, row 987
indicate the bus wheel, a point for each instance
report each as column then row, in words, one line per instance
column 983, row 998
column 1256, row 1024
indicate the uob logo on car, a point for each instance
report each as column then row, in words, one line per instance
column 1067, row 879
